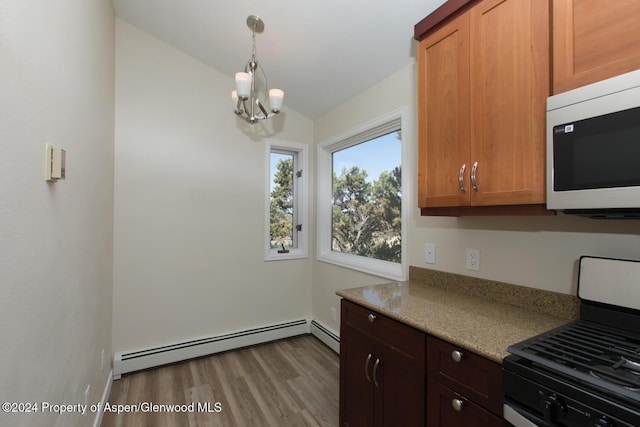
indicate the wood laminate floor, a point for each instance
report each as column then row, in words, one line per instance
column 291, row 382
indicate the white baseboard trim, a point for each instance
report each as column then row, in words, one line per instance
column 131, row 361
column 105, row 396
column 326, row 335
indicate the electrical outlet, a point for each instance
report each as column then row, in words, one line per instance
column 473, row 259
column 334, row 315
column 430, row 253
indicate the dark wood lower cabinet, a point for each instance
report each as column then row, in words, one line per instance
column 382, row 373
column 394, row 375
column 463, row 389
column 446, row 408
column 401, row 392
column 356, row 391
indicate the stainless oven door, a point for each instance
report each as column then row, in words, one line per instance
column 515, row 416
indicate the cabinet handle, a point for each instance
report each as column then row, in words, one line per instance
column 474, row 184
column 457, row 404
column 456, row 355
column 461, row 178
column 375, row 372
column 371, row 317
column 366, row 367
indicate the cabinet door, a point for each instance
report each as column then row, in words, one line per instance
column 509, row 87
column 400, row 389
column 594, row 40
column 356, row 386
column 449, row 409
column 443, row 97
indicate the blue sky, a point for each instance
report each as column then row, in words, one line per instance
column 378, row 155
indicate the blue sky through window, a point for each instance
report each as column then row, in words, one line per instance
column 378, row 155
column 375, row 156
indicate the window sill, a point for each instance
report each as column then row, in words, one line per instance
column 386, row 269
column 273, row 255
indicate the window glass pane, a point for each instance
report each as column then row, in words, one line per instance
column 281, row 212
column 367, row 199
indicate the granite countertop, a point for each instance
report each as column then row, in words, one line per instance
column 486, row 326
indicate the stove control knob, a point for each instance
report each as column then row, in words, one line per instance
column 603, row 422
column 553, row 407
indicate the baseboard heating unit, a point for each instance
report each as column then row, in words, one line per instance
column 325, row 335
column 125, row 362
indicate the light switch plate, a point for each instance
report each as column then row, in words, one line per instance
column 55, row 163
column 430, row 253
column 59, row 161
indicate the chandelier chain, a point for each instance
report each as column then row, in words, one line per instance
column 253, row 44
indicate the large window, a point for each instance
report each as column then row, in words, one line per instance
column 286, row 200
column 361, row 214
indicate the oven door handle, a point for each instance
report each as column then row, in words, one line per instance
column 515, row 418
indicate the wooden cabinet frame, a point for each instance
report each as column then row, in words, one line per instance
column 483, row 79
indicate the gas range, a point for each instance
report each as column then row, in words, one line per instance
column 585, row 373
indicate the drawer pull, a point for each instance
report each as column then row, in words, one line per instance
column 456, row 355
column 375, row 373
column 371, row 317
column 366, row 367
column 457, row 404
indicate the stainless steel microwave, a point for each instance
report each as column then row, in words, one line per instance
column 593, row 148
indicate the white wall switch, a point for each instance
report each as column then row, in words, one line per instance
column 430, row 253
column 59, row 163
column 55, row 163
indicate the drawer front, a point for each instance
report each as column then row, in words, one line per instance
column 356, row 316
column 447, row 408
column 405, row 339
column 473, row 376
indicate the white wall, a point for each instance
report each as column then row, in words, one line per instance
column 189, row 204
column 538, row 252
column 57, row 86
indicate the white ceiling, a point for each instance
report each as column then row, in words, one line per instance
column 321, row 53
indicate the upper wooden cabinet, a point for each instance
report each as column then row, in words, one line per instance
column 594, row 40
column 483, row 79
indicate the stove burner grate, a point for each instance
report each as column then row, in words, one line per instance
column 604, row 356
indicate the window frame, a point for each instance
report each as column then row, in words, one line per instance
column 324, row 188
column 300, row 195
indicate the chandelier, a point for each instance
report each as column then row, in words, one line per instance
column 251, row 85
